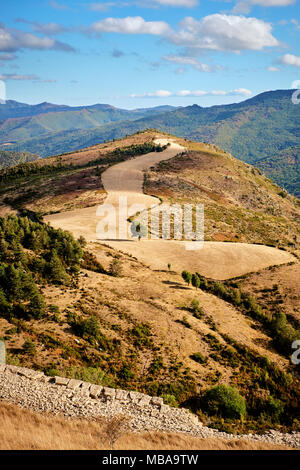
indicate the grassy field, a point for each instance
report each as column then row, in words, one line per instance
column 24, row 430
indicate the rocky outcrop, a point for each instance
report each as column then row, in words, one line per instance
column 74, row 398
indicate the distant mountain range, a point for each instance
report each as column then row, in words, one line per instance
column 263, row 130
column 20, row 122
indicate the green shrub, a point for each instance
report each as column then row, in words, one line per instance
column 186, row 276
column 29, row 347
column 226, row 401
column 196, row 281
column 86, row 328
column 169, row 400
column 142, row 335
column 126, row 373
column 199, row 357
column 196, row 309
column 274, row 408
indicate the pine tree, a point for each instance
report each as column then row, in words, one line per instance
column 57, row 272
column 37, row 306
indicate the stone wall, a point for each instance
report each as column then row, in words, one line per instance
column 77, row 399
column 123, row 401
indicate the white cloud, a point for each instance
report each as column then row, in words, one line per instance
column 194, row 62
column 10, row 76
column 273, row 69
column 104, row 6
column 155, row 94
column 101, row 6
column 213, row 32
column 12, row 40
column 178, row 3
column 290, row 59
column 192, row 93
column 240, row 92
column 58, row 6
column 130, row 25
column 7, row 56
column 179, row 71
column 224, row 33
column 272, row 3
column 51, row 29
column 295, row 22
column 245, row 6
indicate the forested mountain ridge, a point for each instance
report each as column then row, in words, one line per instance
column 284, row 168
column 20, row 122
column 11, row 158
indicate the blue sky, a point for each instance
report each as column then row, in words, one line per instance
column 144, row 53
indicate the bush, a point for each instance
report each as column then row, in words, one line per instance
column 196, row 309
column 86, row 328
column 274, row 408
column 186, row 276
column 90, row 262
column 225, row 401
column 29, row 347
column 169, row 400
column 196, row 281
column 115, row 268
column 198, row 357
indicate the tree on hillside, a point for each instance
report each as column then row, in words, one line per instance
column 57, row 272
column 186, row 276
column 37, row 306
column 196, row 281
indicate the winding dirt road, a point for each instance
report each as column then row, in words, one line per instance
column 218, row 260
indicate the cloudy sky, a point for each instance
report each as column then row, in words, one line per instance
column 136, row 53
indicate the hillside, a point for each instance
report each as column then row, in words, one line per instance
column 90, row 311
column 252, row 130
column 284, row 168
column 10, row 158
column 241, row 204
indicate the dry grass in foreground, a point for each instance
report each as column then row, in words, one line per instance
column 23, row 430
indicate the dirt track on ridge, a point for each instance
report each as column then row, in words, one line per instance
column 219, row 260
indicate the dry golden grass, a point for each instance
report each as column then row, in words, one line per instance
column 24, row 430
